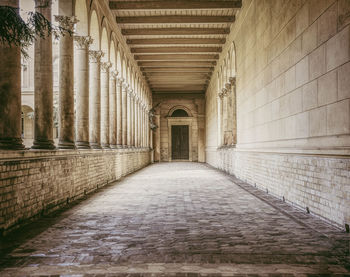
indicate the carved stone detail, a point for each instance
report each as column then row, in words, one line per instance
column 105, row 66
column 66, row 22
column 83, row 42
column 95, row 56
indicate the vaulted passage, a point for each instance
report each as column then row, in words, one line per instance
column 258, row 89
column 181, row 218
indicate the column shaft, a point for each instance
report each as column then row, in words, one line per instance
column 131, row 118
column 119, row 113
column 125, row 114
column 112, row 110
column 66, row 84
column 94, row 104
column 43, row 85
column 105, row 66
column 82, row 91
column 10, row 93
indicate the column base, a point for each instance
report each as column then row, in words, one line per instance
column 95, row 145
column 105, row 146
column 43, row 144
column 11, row 144
column 113, row 146
column 66, row 145
column 119, row 146
column 82, row 145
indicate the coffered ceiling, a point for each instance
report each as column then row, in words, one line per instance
column 176, row 43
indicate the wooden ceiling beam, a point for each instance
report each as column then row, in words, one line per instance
column 176, row 50
column 175, row 31
column 184, row 87
column 176, row 63
column 176, row 41
column 161, row 74
column 173, row 19
column 178, row 77
column 169, row 57
column 176, row 69
column 174, row 4
column 175, row 83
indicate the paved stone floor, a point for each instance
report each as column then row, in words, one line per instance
column 178, row 219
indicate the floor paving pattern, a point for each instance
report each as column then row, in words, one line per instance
column 179, row 219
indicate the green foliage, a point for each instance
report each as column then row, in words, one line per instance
column 15, row 31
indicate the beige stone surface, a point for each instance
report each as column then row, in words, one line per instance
column 327, row 88
column 310, row 95
column 338, row 118
column 344, row 81
column 305, row 76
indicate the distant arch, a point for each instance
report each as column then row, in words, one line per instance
column 179, row 107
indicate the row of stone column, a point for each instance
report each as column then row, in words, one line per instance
column 108, row 112
column 227, row 116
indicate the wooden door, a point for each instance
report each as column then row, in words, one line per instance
column 179, row 142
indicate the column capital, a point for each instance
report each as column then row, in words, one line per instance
column 130, row 92
column 83, row 42
column 95, row 56
column 113, row 74
column 120, row 81
column 221, row 95
column 228, row 87
column 125, row 86
column 224, row 92
column 66, row 22
column 232, row 81
column 105, row 66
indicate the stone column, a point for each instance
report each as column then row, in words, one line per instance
column 131, row 117
column 94, row 103
column 147, row 127
column 232, row 81
column 66, row 83
column 125, row 108
column 144, row 126
column 105, row 66
column 138, row 122
column 219, row 102
column 43, row 85
column 82, row 91
column 119, row 112
column 10, row 92
column 112, row 109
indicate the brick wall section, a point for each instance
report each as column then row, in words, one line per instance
column 293, row 96
column 319, row 183
column 32, row 183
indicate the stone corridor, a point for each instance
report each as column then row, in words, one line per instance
column 178, row 219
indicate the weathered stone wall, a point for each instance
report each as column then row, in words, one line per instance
column 37, row 182
column 293, row 97
column 192, row 103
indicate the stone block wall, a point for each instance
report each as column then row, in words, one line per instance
column 38, row 182
column 293, row 102
column 320, row 184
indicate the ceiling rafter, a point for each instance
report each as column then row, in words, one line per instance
column 174, row 4
column 173, row 19
column 175, row 31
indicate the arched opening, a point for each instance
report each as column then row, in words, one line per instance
column 81, row 14
column 179, row 113
column 94, row 32
column 119, row 64
column 104, row 45
column 112, row 56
